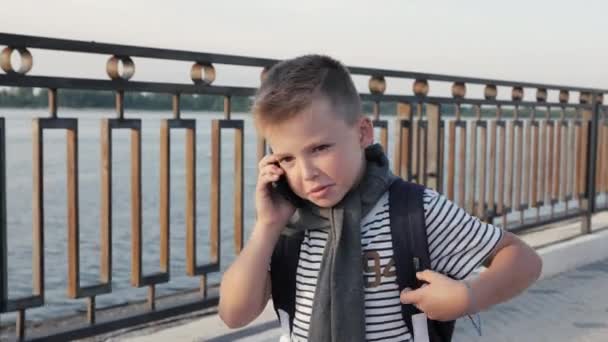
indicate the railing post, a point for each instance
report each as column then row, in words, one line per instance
column 402, row 144
column 589, row 203
column 432, row 171
column 3, row 235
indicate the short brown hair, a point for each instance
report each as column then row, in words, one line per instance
column 291, row 85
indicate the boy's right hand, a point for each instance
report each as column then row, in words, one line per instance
column 273, row 211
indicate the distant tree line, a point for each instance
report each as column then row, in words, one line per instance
column 28, row 98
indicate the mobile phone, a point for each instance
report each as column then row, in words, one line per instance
column 282, row 187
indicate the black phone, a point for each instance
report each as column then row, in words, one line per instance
column 282, row 187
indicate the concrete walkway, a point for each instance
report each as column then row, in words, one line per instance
column 569, row 303
column 572, row 306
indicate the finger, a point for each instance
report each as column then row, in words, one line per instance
column 270, row 173
column 409, row 296
column 266, row 160
column 269, row 177
column 428, row 276
column 264, row 180
column 271, row 168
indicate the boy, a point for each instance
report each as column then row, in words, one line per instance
column 310, row 113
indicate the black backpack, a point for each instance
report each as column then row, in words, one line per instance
column 410, row 249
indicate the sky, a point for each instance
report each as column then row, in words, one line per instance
column 556, row 42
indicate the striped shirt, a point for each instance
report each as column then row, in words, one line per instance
column 458, row 243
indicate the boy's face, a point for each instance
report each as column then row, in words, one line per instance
column 321, row 154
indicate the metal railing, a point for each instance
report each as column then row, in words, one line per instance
column 556, row 153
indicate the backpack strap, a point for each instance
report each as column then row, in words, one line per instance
column 406, row 210
column 410, row 249
column 283, row 269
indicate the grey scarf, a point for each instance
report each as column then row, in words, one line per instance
column 338, row 307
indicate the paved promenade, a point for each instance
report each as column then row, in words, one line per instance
column 572, row 306
column 569, row 303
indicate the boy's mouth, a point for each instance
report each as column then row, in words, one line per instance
column 319, row 191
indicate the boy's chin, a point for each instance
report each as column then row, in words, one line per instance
column 325, row 202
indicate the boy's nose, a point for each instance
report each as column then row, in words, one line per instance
column 309, row 171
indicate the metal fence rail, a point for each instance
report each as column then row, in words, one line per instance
column 530, row 154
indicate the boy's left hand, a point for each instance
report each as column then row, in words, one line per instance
column 442, row 299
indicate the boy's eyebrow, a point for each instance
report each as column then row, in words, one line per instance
column 315, row 144
column 304, row 148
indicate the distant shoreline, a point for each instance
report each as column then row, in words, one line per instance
column 29, row 98
column 82, row 99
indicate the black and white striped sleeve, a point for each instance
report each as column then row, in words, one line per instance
column 458, row 242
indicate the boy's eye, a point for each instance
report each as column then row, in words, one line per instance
column 285, row 160
column 320, row 148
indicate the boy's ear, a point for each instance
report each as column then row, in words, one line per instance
column 366, row 131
